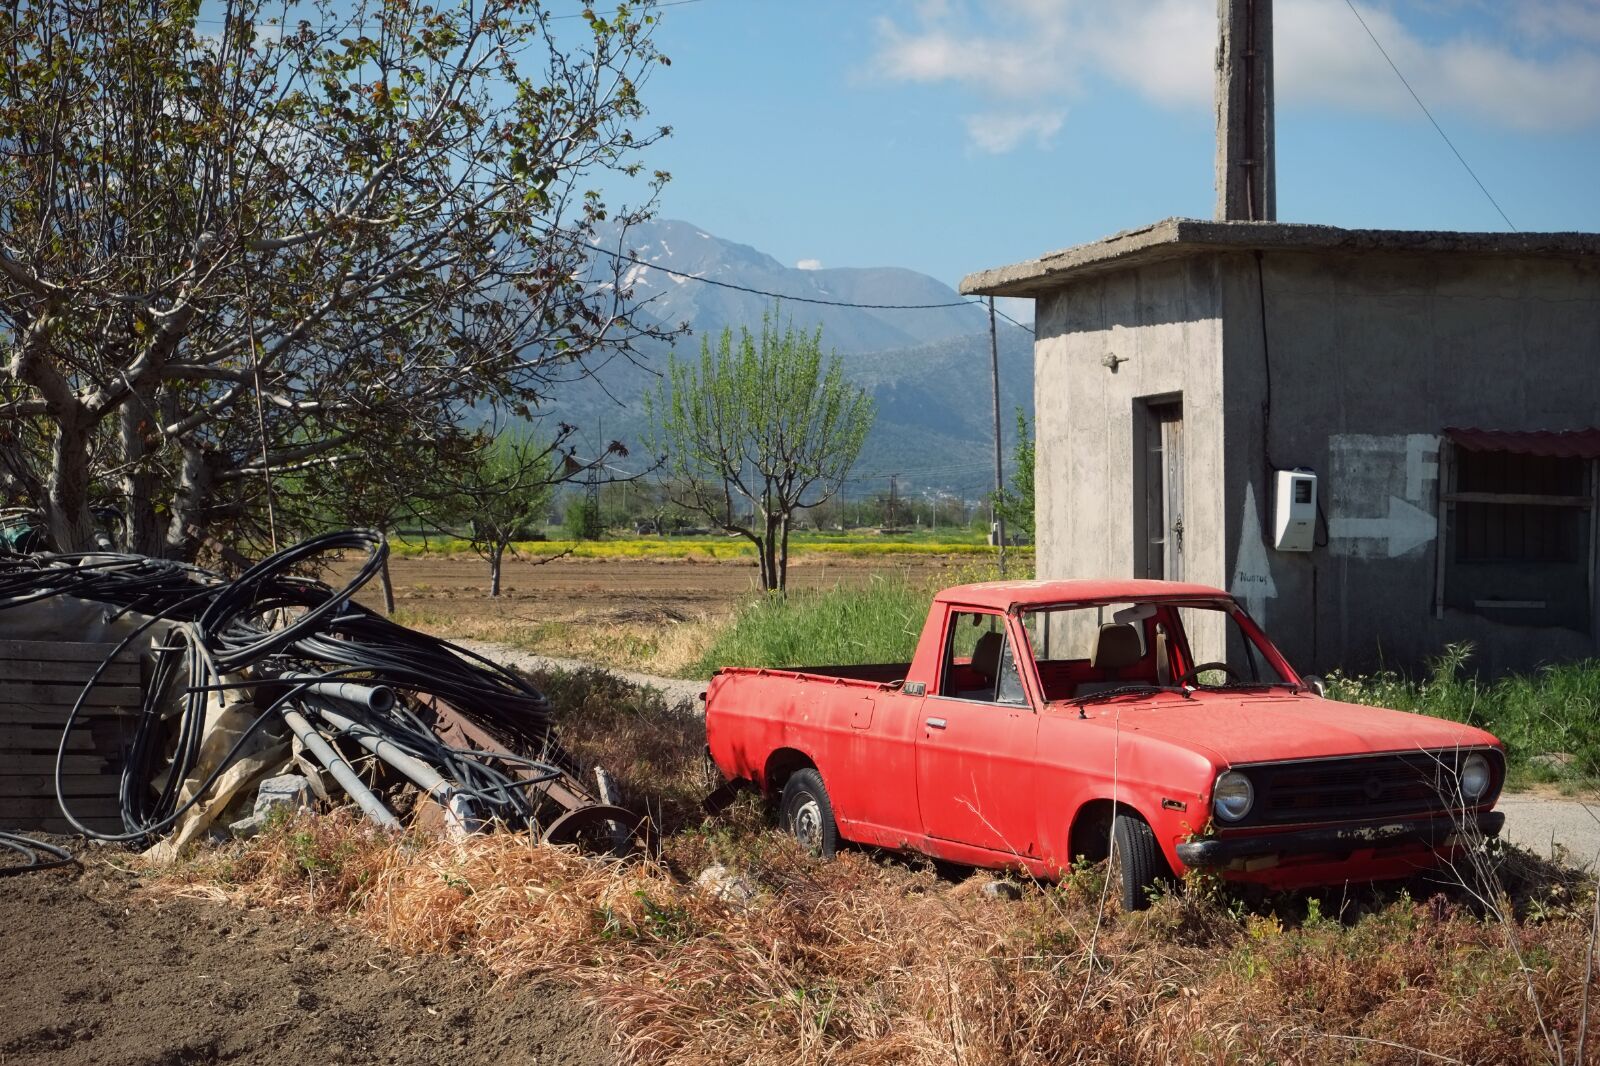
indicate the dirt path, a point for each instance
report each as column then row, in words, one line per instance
column 673, row 688
column 95, row 971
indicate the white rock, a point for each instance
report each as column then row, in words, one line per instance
column 720, row 883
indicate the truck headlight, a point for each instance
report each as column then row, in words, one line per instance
column 1232, row 798
column 1475, row 777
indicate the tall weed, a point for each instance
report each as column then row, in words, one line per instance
column 875, row 623
column 1555, row 709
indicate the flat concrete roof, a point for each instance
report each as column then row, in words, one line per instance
column 1177, row 238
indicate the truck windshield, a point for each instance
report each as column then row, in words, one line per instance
column 1082, row 650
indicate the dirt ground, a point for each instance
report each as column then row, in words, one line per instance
column 616, row 589
column 638, row 614
column 98, row 971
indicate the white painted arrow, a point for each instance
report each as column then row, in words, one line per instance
column 1252, row 582
column 1405, row 528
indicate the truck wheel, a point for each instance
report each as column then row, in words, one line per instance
column 1138, row 864
column 806, row 812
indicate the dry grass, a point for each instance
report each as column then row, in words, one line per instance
column 873, row 960
column 651, row 641
column 866, row 961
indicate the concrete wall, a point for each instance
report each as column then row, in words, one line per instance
column 1165, row 321
column 1372, row 355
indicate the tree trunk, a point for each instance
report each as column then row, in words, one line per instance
column 187, row 527
column 769, row 556
column 496, row 556
column 140, row 525
column 67, row 505
column 783, row 555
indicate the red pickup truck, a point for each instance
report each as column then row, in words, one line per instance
column 1043, row 721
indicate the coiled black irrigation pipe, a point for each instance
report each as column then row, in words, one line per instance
column 29, row 849
column 316, row 655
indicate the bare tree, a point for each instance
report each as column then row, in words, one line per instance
column 759, row 429
column 234, row 249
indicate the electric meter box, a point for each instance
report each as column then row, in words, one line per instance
column 1294, row 511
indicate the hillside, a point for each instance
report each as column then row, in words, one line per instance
column 928, row 370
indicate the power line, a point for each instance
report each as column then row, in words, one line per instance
column 779, row 296
column 802, row 299
column 1011, row 320
column 1425, row 111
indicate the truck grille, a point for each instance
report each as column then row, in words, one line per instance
column 1366, row 787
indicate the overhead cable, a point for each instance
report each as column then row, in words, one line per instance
column 1459, row 157
column 788, row 298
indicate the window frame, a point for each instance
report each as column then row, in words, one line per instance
column 1023, row 667
column 1449, row 496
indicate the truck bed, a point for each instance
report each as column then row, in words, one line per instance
column 878, row 674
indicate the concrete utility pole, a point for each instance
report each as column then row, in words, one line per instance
column 1247, row 179
column 999, row 476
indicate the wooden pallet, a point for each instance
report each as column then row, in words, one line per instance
column 39, row 683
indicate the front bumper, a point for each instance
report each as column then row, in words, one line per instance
column 1439, row 831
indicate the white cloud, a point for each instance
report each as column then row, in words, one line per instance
column 1000, row 132
column 1529, row 65
column 1559, row 20
column 809, row 264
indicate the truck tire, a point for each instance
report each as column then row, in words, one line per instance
column 806, row 813
column 1138, row 864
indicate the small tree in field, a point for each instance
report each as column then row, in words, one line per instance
column 502, row 492
column 759, row 428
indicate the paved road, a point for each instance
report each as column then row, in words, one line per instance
column 1537, row 822
column 1534, row 821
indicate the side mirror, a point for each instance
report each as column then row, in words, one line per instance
column 1315, row 684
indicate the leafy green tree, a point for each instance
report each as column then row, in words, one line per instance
column 240, row 247
column 760, row 427
column 1015, row 502
column 501, row 490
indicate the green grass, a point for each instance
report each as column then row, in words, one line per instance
column 877, row 623
column 1556, row 709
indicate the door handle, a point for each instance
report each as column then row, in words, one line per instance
column 936, row 723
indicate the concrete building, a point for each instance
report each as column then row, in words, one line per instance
column 1444, row 387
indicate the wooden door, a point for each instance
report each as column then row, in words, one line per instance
column 1160, row 480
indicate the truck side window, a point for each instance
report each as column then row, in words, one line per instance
column 978, row 662
column 1008, row 686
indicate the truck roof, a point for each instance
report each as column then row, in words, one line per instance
column 999, row 595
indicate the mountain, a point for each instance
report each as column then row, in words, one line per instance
column 689, row 250
column 928, row 370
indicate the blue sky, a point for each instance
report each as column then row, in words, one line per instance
column 949, row 136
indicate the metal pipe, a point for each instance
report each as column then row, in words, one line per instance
column 418, row 772
column 379, row 698
column 323, row 752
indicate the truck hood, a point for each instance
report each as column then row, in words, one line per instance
column 1236, row 728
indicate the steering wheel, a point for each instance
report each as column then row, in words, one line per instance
column 1193, row 676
